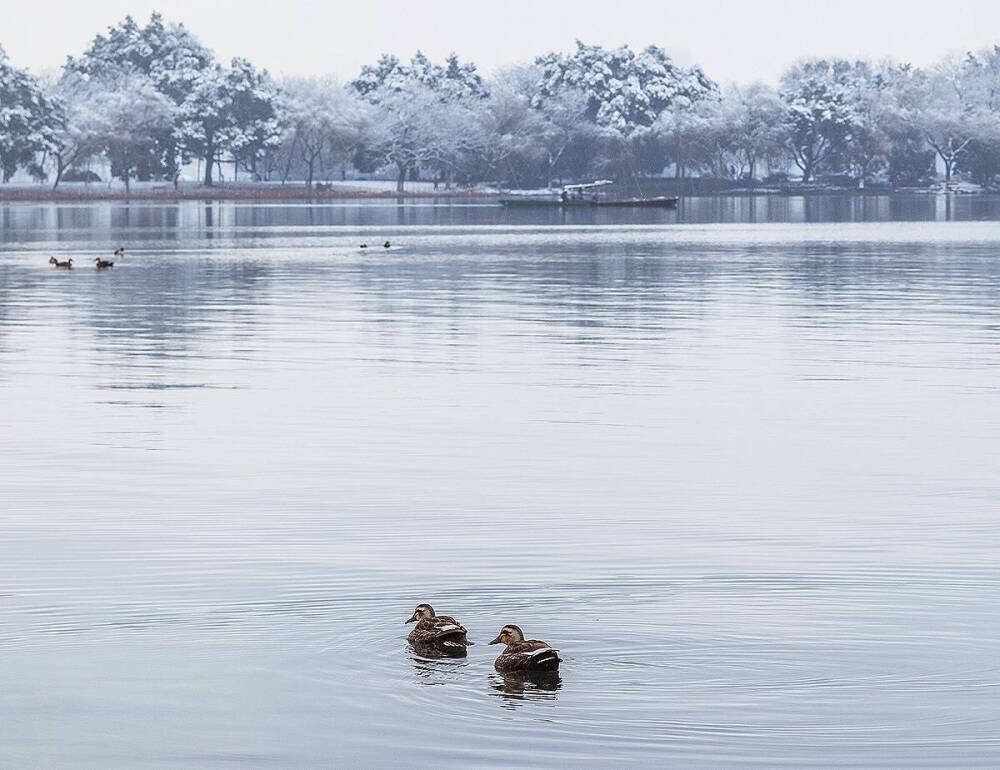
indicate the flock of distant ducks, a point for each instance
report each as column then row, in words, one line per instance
column 444, row 635
column 101, row 264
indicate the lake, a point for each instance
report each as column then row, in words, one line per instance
column 739, row 462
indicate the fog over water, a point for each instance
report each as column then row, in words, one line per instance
column 738, row 462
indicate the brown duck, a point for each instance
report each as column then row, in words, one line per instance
column 103, row 263
column 68, row 264
column 523, row 655
column 438, row 632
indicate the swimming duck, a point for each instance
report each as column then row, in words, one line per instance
column 523, row 655
column 120, row 252
column 68, row 264
column 439, row 632
column 363, row 246
column 103, row 263
column 386, row 245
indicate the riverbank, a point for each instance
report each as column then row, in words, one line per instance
column 376, row 190
column 230, row 192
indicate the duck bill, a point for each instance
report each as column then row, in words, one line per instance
column 496, row 641
column 413, row 619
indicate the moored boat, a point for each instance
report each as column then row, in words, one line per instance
column 584, row 195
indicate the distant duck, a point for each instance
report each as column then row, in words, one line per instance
column 68, row 264
column 363, row 246
column 103, row 263
column 441, row 633
column 120, row 253
column 386, row 245
column 523, row 655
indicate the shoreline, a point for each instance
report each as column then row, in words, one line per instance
column 212, row 194
column 270, row 193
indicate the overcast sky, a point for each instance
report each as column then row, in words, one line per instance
column 732, row 40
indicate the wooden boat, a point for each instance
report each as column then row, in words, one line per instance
column 584, row 195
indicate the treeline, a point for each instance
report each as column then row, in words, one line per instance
column 144, row 102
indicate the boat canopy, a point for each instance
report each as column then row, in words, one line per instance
column 587, row 185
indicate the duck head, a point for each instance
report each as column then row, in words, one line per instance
column 422, row 612
column 509, row 635
column 53, row 261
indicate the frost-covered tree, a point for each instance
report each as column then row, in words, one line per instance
column 405, row 132
column 29, row 121
column 420, row 109
column 937, row 108
column 755, row 117
column 132, row 114
column 819, row 114
column 83, row 128
column 977, row 82
column 325, row 121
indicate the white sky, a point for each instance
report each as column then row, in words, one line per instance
column 732, row 40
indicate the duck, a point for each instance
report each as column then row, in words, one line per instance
column 103, row 263
column 386, row 245
column 120, row 252
column 363, row 246
column 437, row 632
column 68, row 264
column 523, row 655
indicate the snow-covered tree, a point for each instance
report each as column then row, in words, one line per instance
column 420, row 109
column 132, row 114
column 255, row 124
column 405, row 131
column 755, row 117
column 29, row 121
column 173, row 60
column 325, row 124
column 623, row 90
column 819, row 114
column 83, row 129
column 452, row 81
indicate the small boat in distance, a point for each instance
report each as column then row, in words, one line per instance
column 586, row 194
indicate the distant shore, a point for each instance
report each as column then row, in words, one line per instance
column 421, row 191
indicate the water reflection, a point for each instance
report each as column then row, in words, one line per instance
column 516, row 688
column 434, row 667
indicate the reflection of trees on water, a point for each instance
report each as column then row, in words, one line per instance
column 146, row 315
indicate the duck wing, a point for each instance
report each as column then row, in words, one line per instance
column 534, row 652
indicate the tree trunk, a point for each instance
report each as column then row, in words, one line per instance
column 209, row 162
column 60, row 168
column 401, row 178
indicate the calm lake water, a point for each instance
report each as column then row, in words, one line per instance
column 740, row 463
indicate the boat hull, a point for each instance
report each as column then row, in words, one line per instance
column 655, row 203
column 543, row 203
